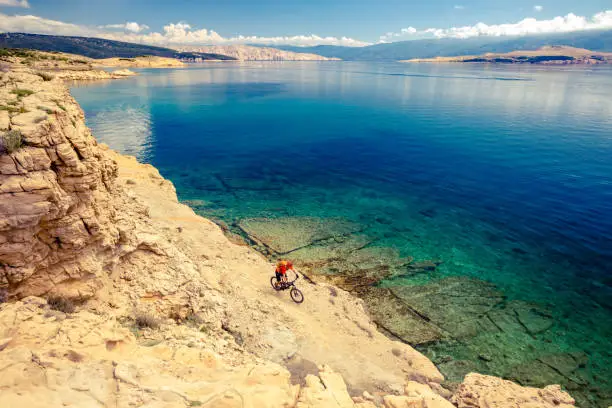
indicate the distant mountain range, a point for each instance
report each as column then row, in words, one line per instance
column 96, row 47
column 595, row 40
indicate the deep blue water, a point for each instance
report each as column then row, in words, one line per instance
column 503, row 173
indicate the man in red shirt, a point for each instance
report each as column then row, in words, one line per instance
column 282, row 266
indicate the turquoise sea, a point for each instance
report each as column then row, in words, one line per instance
column 502, row 173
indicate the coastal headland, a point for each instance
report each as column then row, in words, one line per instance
column 549, row 55
column 112, row 293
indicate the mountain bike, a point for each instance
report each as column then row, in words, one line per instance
column 295, row 293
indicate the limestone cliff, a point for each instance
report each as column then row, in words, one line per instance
column 118, row 295
column 250, row 53
column 57, row 217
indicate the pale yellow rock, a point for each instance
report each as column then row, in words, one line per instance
column 485, row 391
column 5, row 120
column 140, row 62
column 124, row 72
column 29, row 118
column 395, row 401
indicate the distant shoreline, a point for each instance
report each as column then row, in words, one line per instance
column 557, row 55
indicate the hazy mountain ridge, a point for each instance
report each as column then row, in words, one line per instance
column 95, row 47
column 595, row 40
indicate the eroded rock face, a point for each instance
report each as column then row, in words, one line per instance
column 492, row 392
column 56, row 214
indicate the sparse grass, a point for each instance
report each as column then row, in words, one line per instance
column 22, row 92
column 47, row 110
column 10, row 141
column 61, row 304
column 59, row 104
column 10, row 109
column 194, row 320
column 15, row 52
column 45, row 76
column 144, row 320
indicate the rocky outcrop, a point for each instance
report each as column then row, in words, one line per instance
column 250, row 53
column 93, row 75
column 492, row 392
column 140, row 62
column 58, row 229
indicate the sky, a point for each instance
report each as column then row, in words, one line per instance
column 299, row 22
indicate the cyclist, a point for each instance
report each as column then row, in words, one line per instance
column 282, row 266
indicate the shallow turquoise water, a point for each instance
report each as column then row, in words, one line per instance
column 503, row 173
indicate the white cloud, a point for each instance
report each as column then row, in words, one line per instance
column 38, row 25
column 15, row 3
column 568, row 23
column 184, row 34
column 173, row 34
column 132, row 27
column 459, row 7
column 538, row 8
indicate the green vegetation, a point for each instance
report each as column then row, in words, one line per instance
column 10, row 109
column 11, row 141
column 22, row 92
column 59, row 104
column 11, row 52
column 47, row 110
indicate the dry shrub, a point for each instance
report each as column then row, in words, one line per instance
column 10, row 141
column 61, row 304
column 144, row 320
column 45, row 76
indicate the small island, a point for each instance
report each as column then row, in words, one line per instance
column 549, row 55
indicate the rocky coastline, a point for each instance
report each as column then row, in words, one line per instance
column 550, row 55
column 112, row 293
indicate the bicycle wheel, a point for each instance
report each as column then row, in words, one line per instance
column 296, row 295
column 273, row 283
